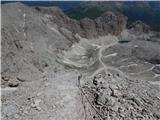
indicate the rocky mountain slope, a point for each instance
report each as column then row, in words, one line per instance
column 88, row 28
column 146, row 11
column 56, row 68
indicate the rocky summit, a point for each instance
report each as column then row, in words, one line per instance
column 58, row 68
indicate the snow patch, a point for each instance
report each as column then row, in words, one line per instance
column 111, row 55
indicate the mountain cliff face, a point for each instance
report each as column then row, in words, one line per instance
column 55, row 67
column 146, row 11
column 139, row 27
column 103, row 25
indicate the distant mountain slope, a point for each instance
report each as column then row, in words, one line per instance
column 65, row 5
column 148, row 12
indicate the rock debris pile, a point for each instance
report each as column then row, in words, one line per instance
column 121, row 99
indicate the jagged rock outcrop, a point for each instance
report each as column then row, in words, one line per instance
column 111, row 97
column 58, row 17
column 139, row 27
column 89, row 27
column 108, row 23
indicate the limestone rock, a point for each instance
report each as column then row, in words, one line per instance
column 139, row 27
column 111, row 23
